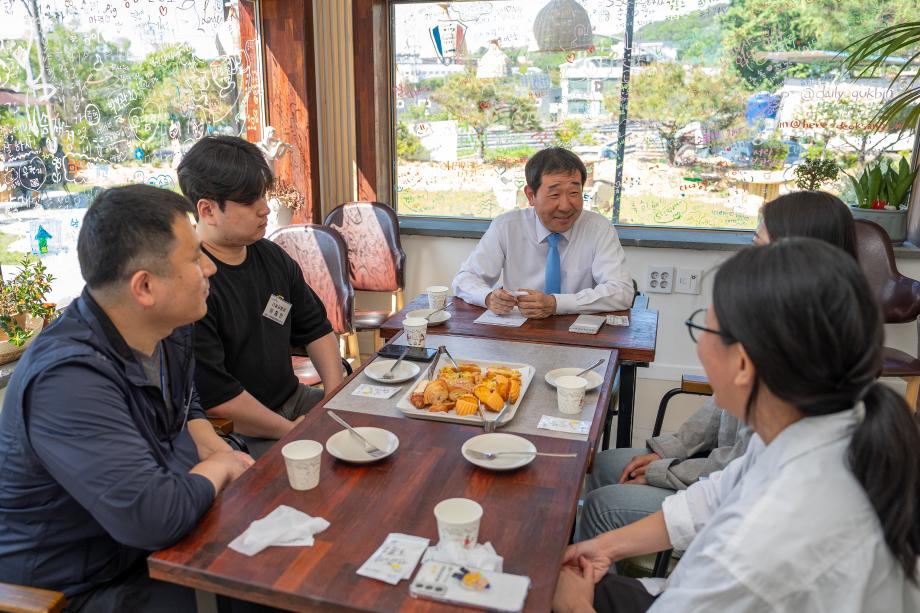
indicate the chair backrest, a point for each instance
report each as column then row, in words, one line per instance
column 899, row 296
column 371, row 231
column 322, row 256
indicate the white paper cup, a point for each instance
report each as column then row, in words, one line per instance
column 302, row 459
column 437, row 296
column 416, row 328
column 570, row 394
column 458, row 521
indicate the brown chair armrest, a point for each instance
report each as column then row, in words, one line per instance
column 19, row 599
column 695, row 384
column 221, row 424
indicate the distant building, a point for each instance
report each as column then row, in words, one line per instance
column 412, row 68
column 655, row 51
column 584, row 83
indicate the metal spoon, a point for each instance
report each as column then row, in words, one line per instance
column 389, row 374
column 491, row 455
column 592, row 367
column 428, row 316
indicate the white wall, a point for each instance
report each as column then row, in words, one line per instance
column 434, row 260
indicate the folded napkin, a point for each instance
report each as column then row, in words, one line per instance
column 478, row 556
column 285, row 526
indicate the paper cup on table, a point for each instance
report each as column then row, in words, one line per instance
column 416, row 328
column 570, row 394
column 458, row 521
column 437, row 296
column 302, row 459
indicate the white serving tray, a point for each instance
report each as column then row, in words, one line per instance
column 527, row 373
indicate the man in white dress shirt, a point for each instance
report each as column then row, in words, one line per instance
column 553, row 257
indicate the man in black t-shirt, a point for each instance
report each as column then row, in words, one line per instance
column 259, row 306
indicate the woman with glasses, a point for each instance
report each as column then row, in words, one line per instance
column 820, row 513
column 628, row 484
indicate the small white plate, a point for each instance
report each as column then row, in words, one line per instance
column 438, row 318
column 594, row 380
column 347, row 447
column 499, row 441
column 403, row 372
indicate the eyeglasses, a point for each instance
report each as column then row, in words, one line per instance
column 692, row 326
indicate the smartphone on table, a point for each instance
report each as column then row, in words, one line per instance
column 416, row 354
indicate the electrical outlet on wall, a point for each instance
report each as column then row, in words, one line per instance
column 688, row 281
column 659, row 279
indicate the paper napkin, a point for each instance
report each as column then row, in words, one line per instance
column 285, row 527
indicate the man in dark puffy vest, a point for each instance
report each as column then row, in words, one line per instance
column 105, row 452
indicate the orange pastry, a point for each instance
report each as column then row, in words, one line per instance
column 502, row 384
column 418, row 394
column 466, row 405
column 514, row 390
column 459, row 388
column 493, row 402
column 482, row 391
column 436, row 392
column 469, row 367
column 441, row 407
column 447, row 372
column 505, row 372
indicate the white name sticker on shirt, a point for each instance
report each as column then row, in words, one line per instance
column 277, row 309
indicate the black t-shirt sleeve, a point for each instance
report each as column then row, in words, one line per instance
column 308, row 315
column 214, row 383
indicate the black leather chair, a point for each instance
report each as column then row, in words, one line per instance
column 899, row 297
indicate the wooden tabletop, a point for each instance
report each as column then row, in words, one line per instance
column 635, row 343
column 528, row 517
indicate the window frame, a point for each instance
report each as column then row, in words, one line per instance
column 680, row 237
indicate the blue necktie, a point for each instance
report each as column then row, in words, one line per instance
column 552, row 282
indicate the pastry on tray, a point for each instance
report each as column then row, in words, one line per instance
column 463, row 388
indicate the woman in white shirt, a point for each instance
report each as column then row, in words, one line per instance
column 820, row 513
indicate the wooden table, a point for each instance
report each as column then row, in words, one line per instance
column 635, row 344
column 528, row 517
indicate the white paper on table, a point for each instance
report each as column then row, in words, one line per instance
column 482, row 556
column 375, row 391
column 396, row 559
column 285, row 526
column 514, row 319
column 561, row 424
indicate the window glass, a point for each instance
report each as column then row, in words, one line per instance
column 95, row 94
column 725, row 102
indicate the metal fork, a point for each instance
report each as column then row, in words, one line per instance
column 389, row 374
column 369, row 448
column 491, row 455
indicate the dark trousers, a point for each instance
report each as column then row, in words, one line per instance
column 301, row 401
column 618, row 594
column 136, row 592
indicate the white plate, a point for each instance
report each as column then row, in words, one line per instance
column 405, row 371
column 594, row 380
column 527, row 372
column 499, row 441
column 438, row 318
column 347, row 447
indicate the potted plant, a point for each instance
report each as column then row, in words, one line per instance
column 23, row 308
column 881, row 196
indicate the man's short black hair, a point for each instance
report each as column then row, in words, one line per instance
column 550, row 160
column 127, row 229
column 222, row 168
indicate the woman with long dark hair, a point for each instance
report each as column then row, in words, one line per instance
column 814, row 214
column 628, row 484
column 821, row 512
